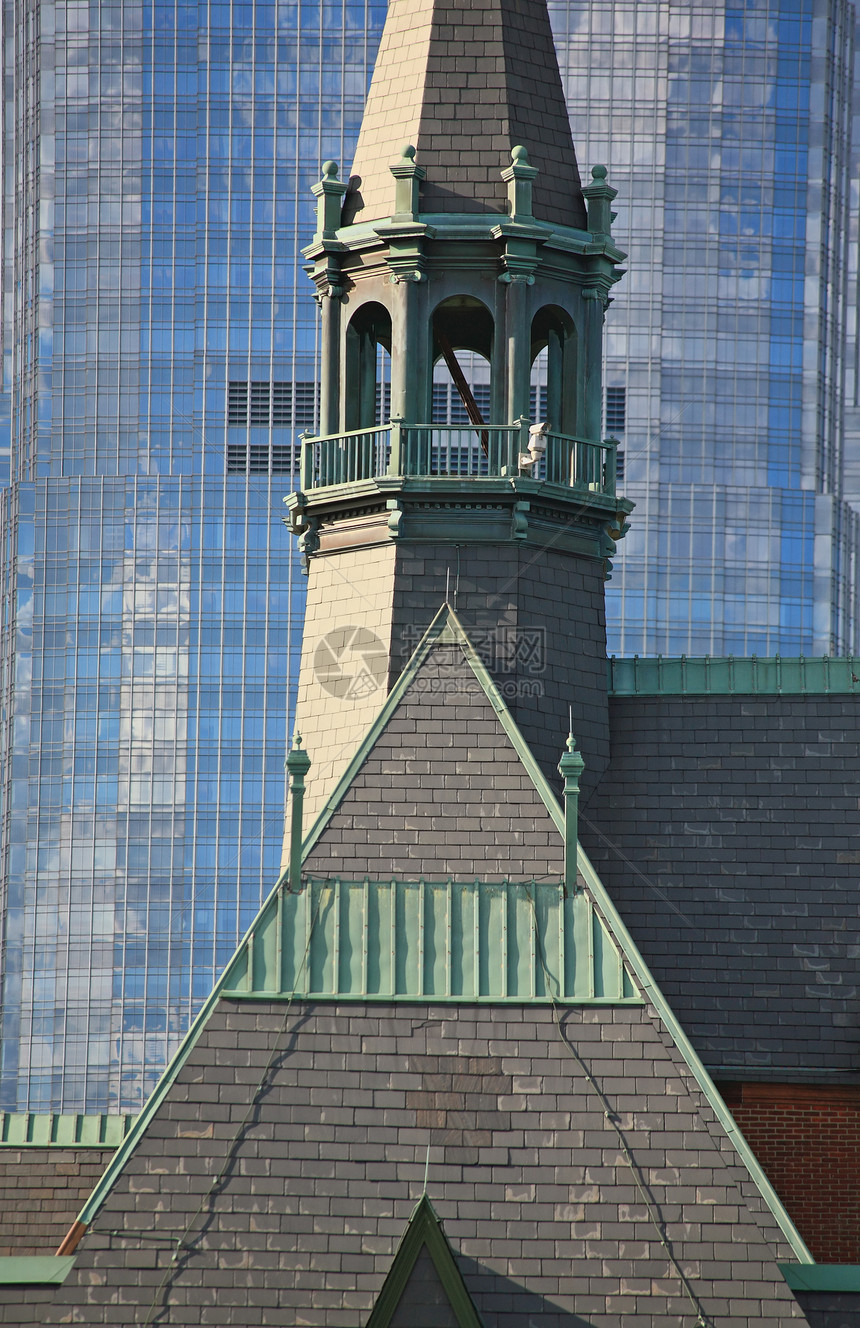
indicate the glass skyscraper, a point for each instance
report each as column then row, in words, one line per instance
column 160, row 358
column 727, row 128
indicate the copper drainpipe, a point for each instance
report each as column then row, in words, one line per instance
column 72, row 1238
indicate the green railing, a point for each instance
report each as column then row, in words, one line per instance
column 343, row 458
column 33, row 1129
column 455, row 451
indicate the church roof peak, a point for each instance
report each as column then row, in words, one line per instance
column 466, row 82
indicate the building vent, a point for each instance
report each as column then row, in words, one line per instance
column 237, row 403
column 266, row 405
column 449, row 409
column 262, row 459
column 383, row 403
column 259, row 404
column 616, row 409
column 537, row 403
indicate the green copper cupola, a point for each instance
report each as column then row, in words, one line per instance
column 462, row 234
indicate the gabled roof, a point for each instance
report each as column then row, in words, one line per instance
column 424, row 1273
column 465, row 81
column 261, row 969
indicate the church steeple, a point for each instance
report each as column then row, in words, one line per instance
column 470, row 243
column 465, row 82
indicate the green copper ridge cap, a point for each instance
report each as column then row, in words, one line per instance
column 424, row 1230
column 832, row 1277
column 706, row 675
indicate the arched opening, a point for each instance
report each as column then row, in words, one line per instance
column 368, row 367
column 462, row 349
column 555, row 365
column 462, row 385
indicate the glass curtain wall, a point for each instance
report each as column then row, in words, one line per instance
column 159, row 357
column 159, row 361
column 727, row 129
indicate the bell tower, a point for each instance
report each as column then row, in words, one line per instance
column 463, row 236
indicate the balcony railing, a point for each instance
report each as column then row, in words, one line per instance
column 455, row 451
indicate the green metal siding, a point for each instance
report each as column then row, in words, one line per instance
column 29, row 1129
column 434, row 940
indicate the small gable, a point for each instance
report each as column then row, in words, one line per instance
column 424, row 1288
column 441, row 790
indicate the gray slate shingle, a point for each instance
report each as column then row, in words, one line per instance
column 740, row 816
column 539, row 1205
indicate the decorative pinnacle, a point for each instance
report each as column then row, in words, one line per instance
column 599, row 195
column 570, row 767
column 571, row 764
column 298, row 761
column 519, row 177
column 298, row 764
column 328, row 192
column 408, row 177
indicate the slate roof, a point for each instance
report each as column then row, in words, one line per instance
column 465, row 81
column 571, row 1146
column 441, row 793
column 290, row 1201
column 739, row 817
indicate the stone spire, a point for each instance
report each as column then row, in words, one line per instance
column 466, row 81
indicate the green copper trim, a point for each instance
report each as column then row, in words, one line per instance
column 706, row 676
column 822, row 1276
column 570, row 767
column 424, row 940
column 30, row 1129
column 424, row 1230
column 35, row 1269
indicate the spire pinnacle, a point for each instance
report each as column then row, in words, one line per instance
column 468, row 84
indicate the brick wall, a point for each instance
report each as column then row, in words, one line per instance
column 807, row 1139
column 42, row 1190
